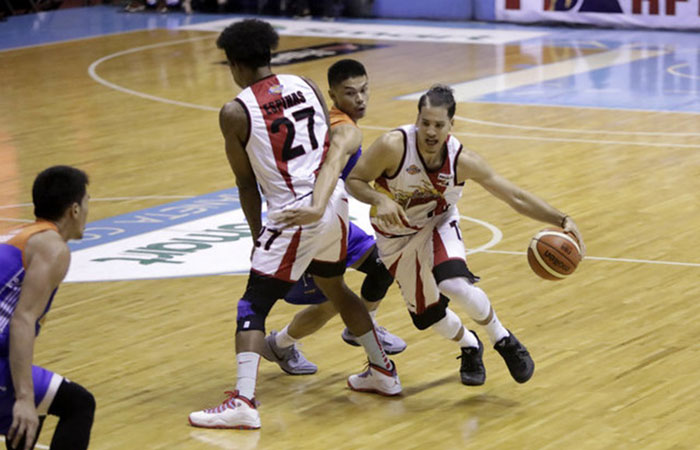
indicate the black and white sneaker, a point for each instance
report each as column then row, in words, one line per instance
column 517, row 358
column 472, row 369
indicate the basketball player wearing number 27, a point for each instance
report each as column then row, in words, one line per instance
column 276, row 139
column 419, row 172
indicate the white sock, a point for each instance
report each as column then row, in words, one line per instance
column 449, row 326
column 374, row 350
column 247, row 374
column 283, row 339
column 477, row 304
column 468, row 339
column 373, row 316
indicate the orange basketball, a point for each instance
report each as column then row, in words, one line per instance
column 553, row 254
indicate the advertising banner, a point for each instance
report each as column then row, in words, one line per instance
column 673, row 14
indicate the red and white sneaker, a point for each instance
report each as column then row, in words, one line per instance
column 377, row 380
column 235, row 412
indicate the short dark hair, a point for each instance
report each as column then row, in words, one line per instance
column 249, row 42
column 344, row 69
column 439, row 95
column 56, row 189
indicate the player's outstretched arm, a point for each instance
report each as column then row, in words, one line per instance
column 233, row 122
column 472, row 166
column 382, row 157
column 47, row 258
column 345, row 140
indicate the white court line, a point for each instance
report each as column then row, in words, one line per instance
column 92, row 70
column 8, row 219
column 551, row 139
column 112, row 199
column 602, row 258
column 496, row 235
column 93, row 74
column 470, row 90
column 569, row 130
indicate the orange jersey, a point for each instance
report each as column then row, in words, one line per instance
column 21, row 235
column 338, row 117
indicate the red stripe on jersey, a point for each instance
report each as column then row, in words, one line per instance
column 344, row 241
column 383, row 183
column 439, row 250
column 445, row 170
column 262, row 93
column 326, row 146
column 392, row 269
column 284, row 271
column 420, row 298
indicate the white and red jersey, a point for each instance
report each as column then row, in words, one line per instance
column 287, row 139
column 423, row 194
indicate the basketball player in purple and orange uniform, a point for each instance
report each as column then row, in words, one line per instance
column 33, row 262
column 349, row 90
column 276, row 138
column 419, row 173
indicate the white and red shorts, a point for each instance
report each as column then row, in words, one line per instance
column 420, row 261
column 286, row 253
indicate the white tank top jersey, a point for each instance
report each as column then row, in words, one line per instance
column 422, row 193
column 287, row 137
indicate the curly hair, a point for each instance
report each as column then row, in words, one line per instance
column 344, row 69
column 248, row 42
column 55, row 189
column 439, row 95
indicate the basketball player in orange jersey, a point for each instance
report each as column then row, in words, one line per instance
column 33, row 262
column 349, row 90
column 419, row 172
column 276, row 136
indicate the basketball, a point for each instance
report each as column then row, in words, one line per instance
column 553, row 254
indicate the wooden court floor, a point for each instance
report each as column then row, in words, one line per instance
column 616, row 345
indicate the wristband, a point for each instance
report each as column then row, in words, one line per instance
column 563, row 221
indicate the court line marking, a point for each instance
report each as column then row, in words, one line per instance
column 469, row 90
column 673, row 70
column 9, row 219
column 111, row 199
column 602, row 258
column 496, row 235
column 93, row 73
column 570, row 130
column 553, row 139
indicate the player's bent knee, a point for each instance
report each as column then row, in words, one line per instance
column 71, row 399
column 260, row 295
column 431, row 315
column 378, row 278
column 250, row 317
column 449, row 326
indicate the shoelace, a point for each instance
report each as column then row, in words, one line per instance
column 226, row 404
column 366, row 372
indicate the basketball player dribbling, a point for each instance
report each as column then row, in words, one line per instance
column 276, row 137
column 419, row 172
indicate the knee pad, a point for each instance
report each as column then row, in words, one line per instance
column 378, row 278
column 448, row 326
column 72, row 398
column 249, row 317
column 472, row 298
column 431, row 315
column 260, row 295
